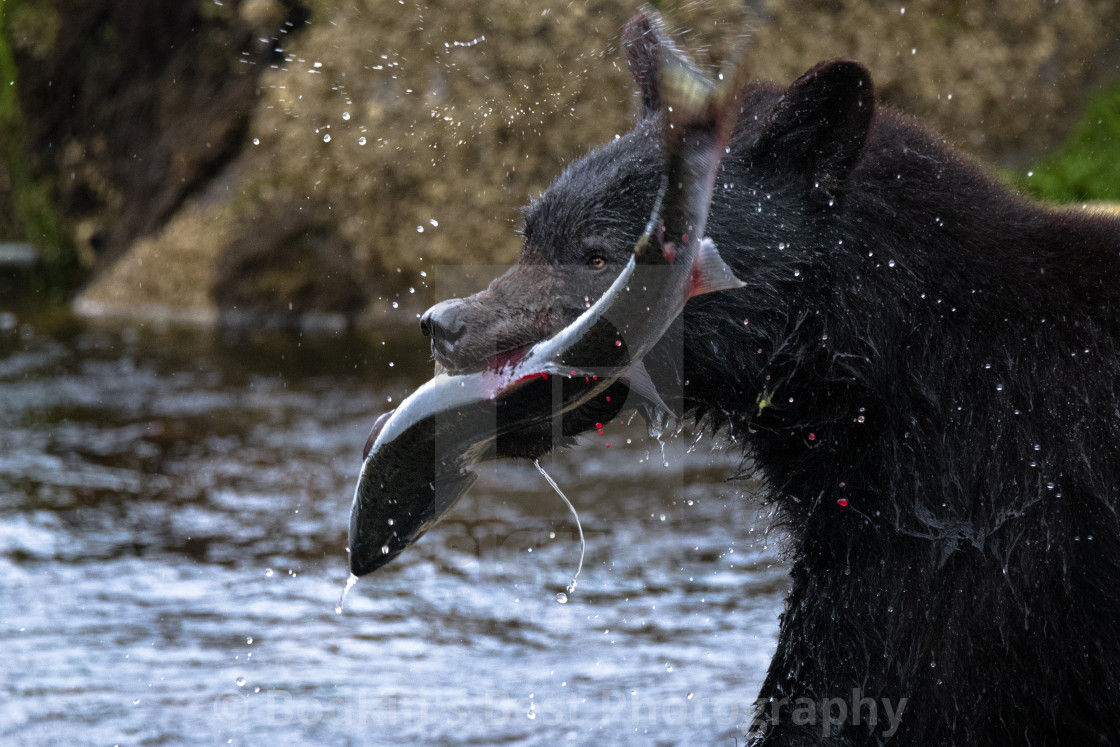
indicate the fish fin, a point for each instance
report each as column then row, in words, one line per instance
column 638, row 379
column 711, row 273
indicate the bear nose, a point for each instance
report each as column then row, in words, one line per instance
column 444, row 323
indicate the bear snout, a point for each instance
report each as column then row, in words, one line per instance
column 446, row 325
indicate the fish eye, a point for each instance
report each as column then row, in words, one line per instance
column 596, row 262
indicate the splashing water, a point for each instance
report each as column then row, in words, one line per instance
column 345, row 590
column 561, row 597
column 660, row 424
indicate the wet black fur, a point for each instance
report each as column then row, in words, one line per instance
column 937, row 351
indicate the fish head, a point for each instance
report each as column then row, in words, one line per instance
column 391, row 511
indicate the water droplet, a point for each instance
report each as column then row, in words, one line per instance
column 268, row 572
column 433, row 221
column 688, row 696
column 350, row 581
column 249, row 640
column 346, row 115
column 361, row 141
column 256, row 141
column 390, row 522
column 796, row 273
column 890, row 263
column 561, row 597
column 419, row 229
column 384, row 549
column 241, row 682
column 327, row 138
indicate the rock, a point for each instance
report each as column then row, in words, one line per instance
column 406, row 137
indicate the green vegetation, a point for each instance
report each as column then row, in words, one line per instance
column 34, row 195
column 1087, row 166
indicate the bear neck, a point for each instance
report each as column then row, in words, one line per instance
column 901, row 333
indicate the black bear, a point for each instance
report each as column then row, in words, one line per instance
column 926, row 368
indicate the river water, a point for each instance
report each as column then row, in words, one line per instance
column 173, row 513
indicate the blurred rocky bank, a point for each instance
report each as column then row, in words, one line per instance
column 318, row 161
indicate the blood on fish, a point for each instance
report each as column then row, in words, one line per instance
column 843, row 502
column 693, row 281
column 527, row 377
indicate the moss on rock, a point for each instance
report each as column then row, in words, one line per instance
column 1002, row 78
column 31, row 210
column 1087, row 166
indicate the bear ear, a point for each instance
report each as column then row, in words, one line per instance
column 820, row 125
column 647, row 42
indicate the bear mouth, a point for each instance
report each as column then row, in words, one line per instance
column 506, row 359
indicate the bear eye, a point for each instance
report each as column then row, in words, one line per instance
column 596, row 262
